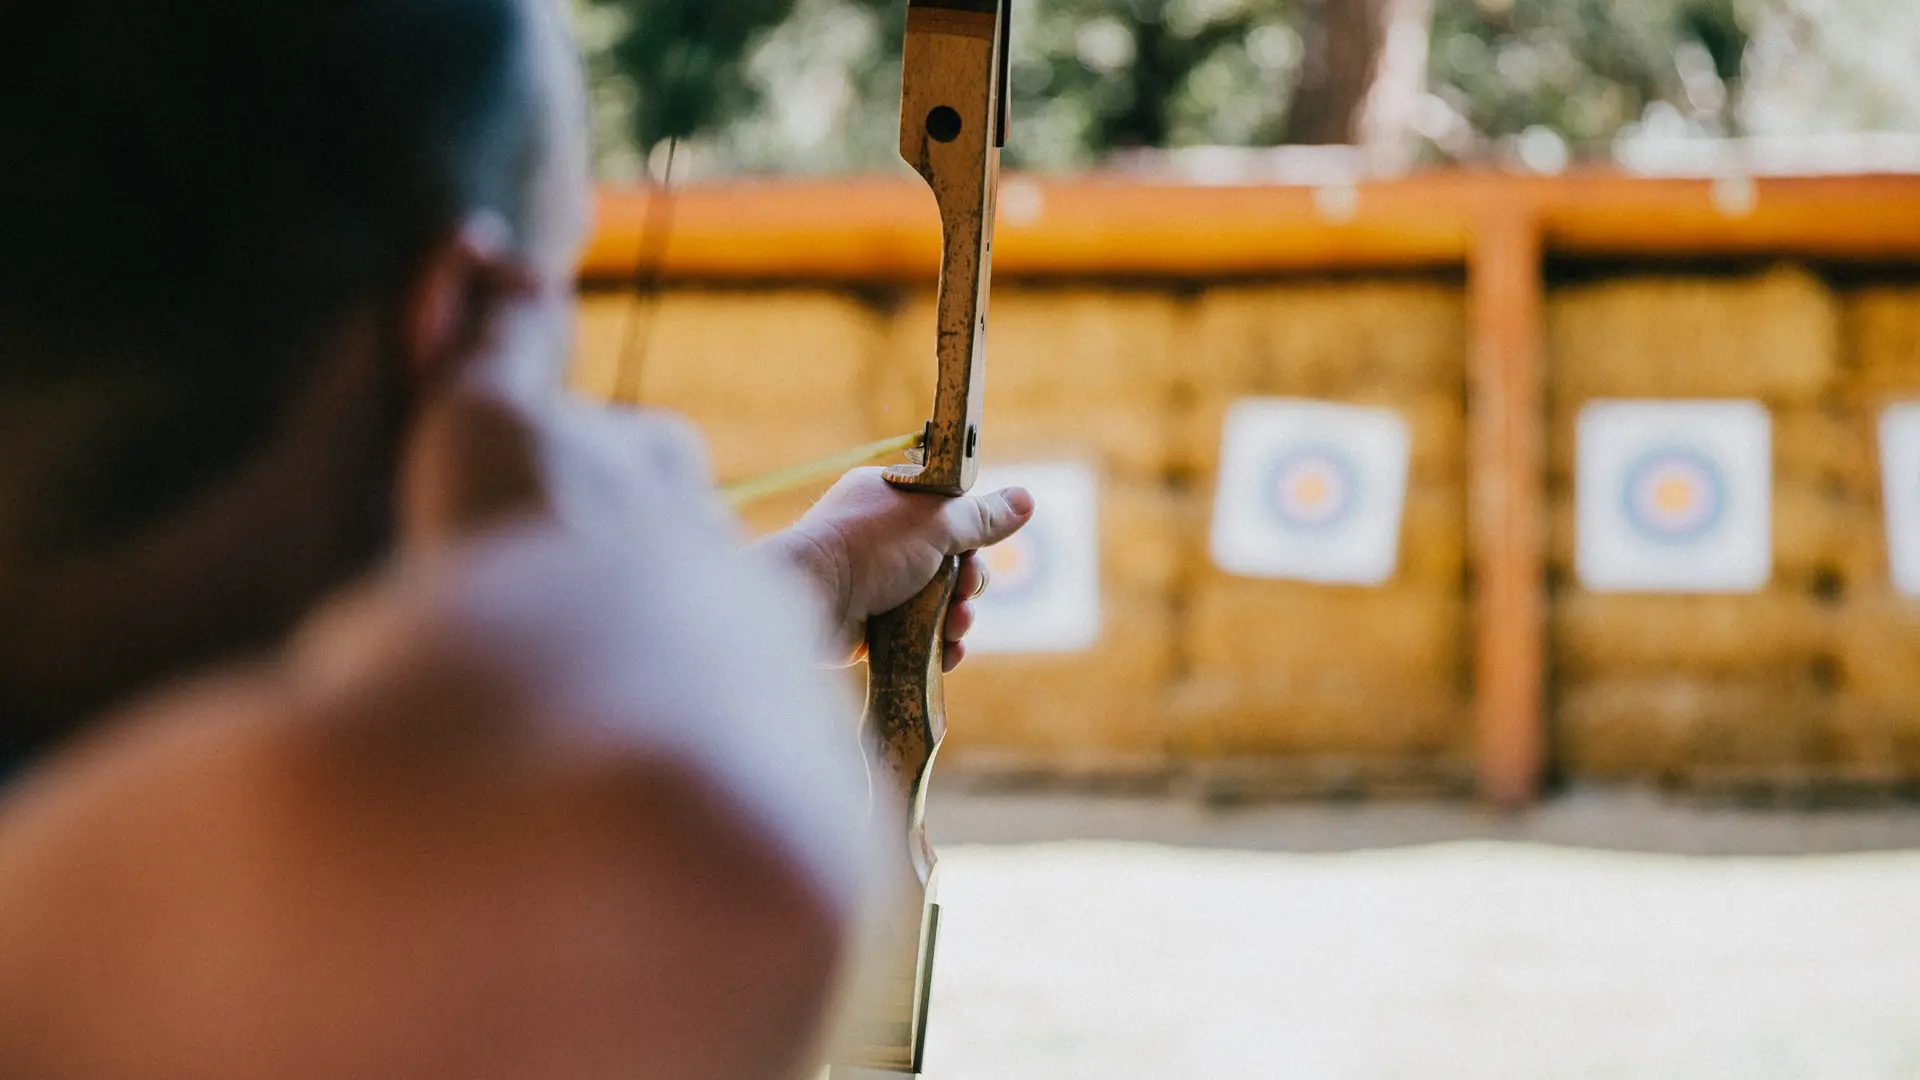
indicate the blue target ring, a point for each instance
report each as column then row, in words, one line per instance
column 1312, row 488
column 1674, row 495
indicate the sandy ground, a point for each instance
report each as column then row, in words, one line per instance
column 1406, row 941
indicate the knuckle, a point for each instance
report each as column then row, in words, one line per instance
column 983, row 516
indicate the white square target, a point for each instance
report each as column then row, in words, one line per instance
column 1674, row 496
column 1310, row 491
column 1044, row 590
column 1900, row 483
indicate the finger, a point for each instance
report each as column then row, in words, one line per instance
column 951, row 656
column 960, row 619
column 985, row 520
column 973, row 578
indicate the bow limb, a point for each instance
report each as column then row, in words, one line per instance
column 952, row 125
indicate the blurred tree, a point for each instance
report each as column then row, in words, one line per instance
column 812, row 85
column 797, row 85
column 686, row 57
column 719, row 73
column 1342, row 39
column 1093, row 76
column 680, row 60
column 1547, row 78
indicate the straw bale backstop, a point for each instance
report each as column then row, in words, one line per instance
column 1815, row 679
column 1258, row 685
column 1192, row 664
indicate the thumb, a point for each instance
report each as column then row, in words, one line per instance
column 975, row 522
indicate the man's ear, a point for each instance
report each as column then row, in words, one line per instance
column 458, row 297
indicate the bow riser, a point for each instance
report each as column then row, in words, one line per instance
column 951, row 103
column 952, row 123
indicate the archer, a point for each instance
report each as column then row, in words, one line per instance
column 374, row 710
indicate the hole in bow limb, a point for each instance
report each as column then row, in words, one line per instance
column 943, row 124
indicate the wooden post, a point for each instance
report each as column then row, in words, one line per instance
column 1508, row 512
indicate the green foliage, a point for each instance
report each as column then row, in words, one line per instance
column 707, row 71
column 1585, row 69
column 685, row 58
column 1092, row 76
column 1089, row 76
column 813, row 85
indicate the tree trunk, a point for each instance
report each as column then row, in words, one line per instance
column 1363, row 79
column 1343, row 39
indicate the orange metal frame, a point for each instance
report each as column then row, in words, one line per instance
column 885, row 230
column 1497, row 227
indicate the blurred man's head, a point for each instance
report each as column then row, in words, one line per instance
column 184, row 172
column 235, row 233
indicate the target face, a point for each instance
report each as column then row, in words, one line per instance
column 1674, row 496
column 1018, row 567
column 1043, row 591
column 1900, row 481
column 1310, row 491
column 1313, row 488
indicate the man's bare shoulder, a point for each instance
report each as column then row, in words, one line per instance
column 131, row 777
column 677, row 650
column 478, row 789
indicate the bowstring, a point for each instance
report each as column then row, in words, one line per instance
column 649, row 261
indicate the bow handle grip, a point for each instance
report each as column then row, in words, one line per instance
column 905, row 721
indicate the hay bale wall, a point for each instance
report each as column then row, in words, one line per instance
column 1874, row 725
column 1192, row 665
column 1817, row 676
column 1809, row 680
column 1374, row 678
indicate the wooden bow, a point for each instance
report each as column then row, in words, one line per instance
column 953, row 119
